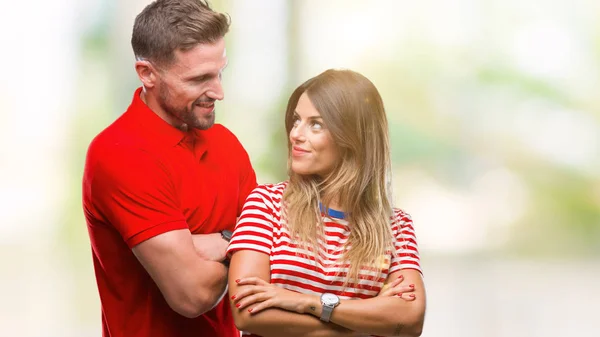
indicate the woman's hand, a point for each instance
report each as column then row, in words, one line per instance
column 396, row 288
column 264, row 295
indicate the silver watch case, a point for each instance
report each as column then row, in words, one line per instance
column 329, row 302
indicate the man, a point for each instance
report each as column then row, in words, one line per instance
column 162, row 183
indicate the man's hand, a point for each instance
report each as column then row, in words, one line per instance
column 211, row 247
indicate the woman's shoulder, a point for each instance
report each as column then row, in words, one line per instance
column 272, row 192
column 276, row 188
column 401, row 218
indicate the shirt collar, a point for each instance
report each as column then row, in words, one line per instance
column 157, row 130
column 331, row 212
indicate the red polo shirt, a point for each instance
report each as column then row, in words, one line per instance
column 143, row 178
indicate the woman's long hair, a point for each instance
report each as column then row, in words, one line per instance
column 360, row 182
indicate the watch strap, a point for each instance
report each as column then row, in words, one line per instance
column 326, row 312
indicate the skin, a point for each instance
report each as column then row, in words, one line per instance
column 186, row 267
column 313, row 148
column 184, row 93
column 270, row 311
column 266, row 309
column 381, row 315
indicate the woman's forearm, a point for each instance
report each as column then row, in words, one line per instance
column 276, row 322
column 385, row 316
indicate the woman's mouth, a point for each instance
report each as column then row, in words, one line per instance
column 298, row 151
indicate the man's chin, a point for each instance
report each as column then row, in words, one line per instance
column 203, row 123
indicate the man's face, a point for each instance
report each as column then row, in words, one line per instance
column 189, row 87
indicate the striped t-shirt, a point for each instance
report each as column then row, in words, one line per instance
column 260, row 228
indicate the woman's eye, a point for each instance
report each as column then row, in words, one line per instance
column 316, row 125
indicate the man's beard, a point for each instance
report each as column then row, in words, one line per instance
column 186, row 114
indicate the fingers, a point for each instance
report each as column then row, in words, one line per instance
column 251, row 281
column 252, row 299
column 261, row 306
column 406, row 292
column 385, row 290
column 399, row 289
column 407, row 296
column 251, row 285
column 246, row 291
column 397, row 281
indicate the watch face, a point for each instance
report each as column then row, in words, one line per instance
column 330, row 299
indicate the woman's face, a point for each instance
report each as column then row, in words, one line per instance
column 313, row 150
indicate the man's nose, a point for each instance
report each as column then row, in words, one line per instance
column 216, row 90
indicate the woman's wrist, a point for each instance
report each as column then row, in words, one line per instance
column 312, row 305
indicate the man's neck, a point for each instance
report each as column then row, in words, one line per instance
column 153, row 105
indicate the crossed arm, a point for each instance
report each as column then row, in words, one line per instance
column 382, row 315
column 268, row 310
column 272, row 321
column 186, row 269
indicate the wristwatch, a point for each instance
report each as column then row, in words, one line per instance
column 329, row 301
column 226, row 235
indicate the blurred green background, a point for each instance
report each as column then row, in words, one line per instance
column 494, row 114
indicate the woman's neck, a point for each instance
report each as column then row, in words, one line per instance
column 335, row 204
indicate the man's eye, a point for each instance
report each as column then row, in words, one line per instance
column 203, row 78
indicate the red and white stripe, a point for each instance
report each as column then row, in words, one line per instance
column 260, row 229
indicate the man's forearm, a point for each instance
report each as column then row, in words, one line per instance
column 210, row 246
column 212, row 285
column 190, row 284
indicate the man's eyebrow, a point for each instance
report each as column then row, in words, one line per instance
column 201, row 77
column 197, row 77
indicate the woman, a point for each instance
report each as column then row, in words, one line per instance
column 325, row 254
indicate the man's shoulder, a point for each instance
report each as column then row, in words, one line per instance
column 113, row 155
column 117, row 138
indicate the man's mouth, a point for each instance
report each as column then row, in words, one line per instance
column 206, row 104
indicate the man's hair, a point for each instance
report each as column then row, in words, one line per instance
column 165, row 26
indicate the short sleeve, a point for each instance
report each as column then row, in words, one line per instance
column 407, row 252
column 134, row 192
column 254, row 229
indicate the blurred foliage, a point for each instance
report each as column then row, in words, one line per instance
column 437, row 101
column 443, row 140
column 275, row 163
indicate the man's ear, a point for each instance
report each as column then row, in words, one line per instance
column 147, row 73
